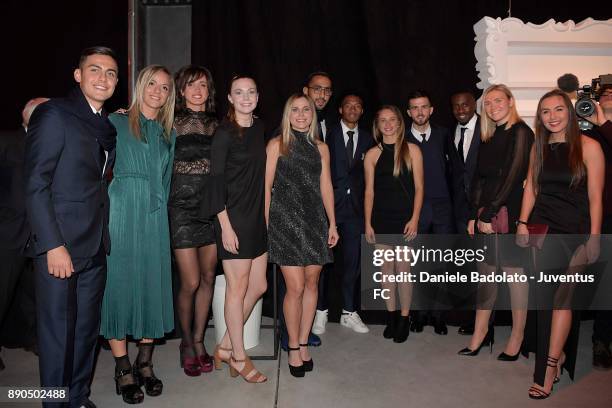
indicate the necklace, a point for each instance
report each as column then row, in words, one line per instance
column 553, row 146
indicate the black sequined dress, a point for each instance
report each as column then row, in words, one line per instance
column 298, row 227
column 190, row 177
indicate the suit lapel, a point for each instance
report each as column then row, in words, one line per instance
column 474, row 144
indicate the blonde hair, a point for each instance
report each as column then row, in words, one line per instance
column 487, row 125
column 287, row 136
column 165, row 116
column 401, row 150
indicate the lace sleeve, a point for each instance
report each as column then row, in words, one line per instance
column 514, row 167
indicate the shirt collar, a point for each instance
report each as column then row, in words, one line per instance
column 471, row 123
column 417, row 134
column 346, row 128
column 95, row 112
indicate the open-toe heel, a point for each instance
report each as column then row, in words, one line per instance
column 219, row 359
column 129, row 391
column 308, row 365
column 189, row 363
column 538, row 393
column 153, row 386
column 248, row 372
column 205, row 360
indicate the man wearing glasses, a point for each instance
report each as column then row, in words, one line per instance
column 319, row 88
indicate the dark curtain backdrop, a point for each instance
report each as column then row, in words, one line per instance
column 382, row 49
column 41, row 44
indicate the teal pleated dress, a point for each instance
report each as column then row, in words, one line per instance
column 138, row 295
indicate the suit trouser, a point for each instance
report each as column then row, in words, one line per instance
column 12, row 264
column 436, row 218
column 68, row 315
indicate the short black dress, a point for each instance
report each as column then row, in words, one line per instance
column 393, row 197
column 501, row 169
column 565, row 209
column 238, row 168
column 190, row 177
column 298, row 227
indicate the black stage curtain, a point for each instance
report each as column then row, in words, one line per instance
column 41, row 44
column 382, row 49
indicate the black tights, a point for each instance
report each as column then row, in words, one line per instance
column 197, row 274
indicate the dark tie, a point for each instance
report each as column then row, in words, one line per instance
column 349, row 147
column 423, row 137
column 460, row 145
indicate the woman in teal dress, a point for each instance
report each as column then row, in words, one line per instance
column 138, row 296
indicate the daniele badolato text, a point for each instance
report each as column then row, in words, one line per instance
column 459, row 257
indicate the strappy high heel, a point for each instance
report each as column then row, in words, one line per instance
column 248, row 372
column 218, row 359
column 296, row 371
column 308, row 365
column 205, row 360
column 539, row 394
column 559, row 368
column 488, row 340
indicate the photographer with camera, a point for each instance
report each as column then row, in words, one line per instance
column 602, row 132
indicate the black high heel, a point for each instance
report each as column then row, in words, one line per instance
column 131, row 393
column 507, row 357
column 308, row 365
column 488, row 340
column 539, row 394
column 391, row 327
column 296, row 371
column 402, row 330
column 153, row 385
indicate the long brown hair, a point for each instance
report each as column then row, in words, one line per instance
column 231, row 111
column 487, row 126
column 287, row 136
column 165, row 116
column 187, row 75
column 572, row 137
column 401, row 151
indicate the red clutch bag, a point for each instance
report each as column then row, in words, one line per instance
column 537, row 233
column 499, row 222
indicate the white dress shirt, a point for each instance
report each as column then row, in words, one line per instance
column 346, row 138
column 99, row 112
column 467, row 136
column 417, row 134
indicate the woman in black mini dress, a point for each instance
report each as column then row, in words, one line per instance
column 193, row 237
column 393, row 202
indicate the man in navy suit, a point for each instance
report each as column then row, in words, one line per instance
column 69, row 146
column 463, row 147
column 348, row 142
column 437, row 212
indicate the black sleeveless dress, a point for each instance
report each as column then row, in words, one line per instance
column 298, row 226
column 565, row 209
column 190, row 176
column 393, row 196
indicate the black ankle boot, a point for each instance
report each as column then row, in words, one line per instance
column 392, row 320
column 403, row 329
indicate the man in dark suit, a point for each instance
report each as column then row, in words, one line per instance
column 463, row 147
column 437, row 213
column 69, row 147
column 319, row 87
column 348, row 142
column 14, row 229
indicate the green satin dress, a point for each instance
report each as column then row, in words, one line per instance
column 138, row 295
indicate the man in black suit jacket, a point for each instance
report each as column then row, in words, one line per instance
column 69, row 146
column 348, row 142
column 463, row 145
column 14, row 230
column 319, row 87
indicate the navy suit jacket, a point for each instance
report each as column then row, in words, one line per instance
column 347, row 206
column 65, row 191
column 463, row 173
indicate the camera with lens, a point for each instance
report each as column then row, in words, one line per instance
column 587, row 95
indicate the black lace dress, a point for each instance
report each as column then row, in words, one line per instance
column 190, row 178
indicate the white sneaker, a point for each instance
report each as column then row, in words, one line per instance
column 318, row 327
column 353, row 321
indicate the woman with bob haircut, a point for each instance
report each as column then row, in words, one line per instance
column 563, row 192
column 299, row 196
column 497, row 189
column 138, row 296
column 193, row 237
column 393, row 201
column 236, row 198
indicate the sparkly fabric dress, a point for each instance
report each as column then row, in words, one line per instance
column 298, row 226
column 190, row 178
